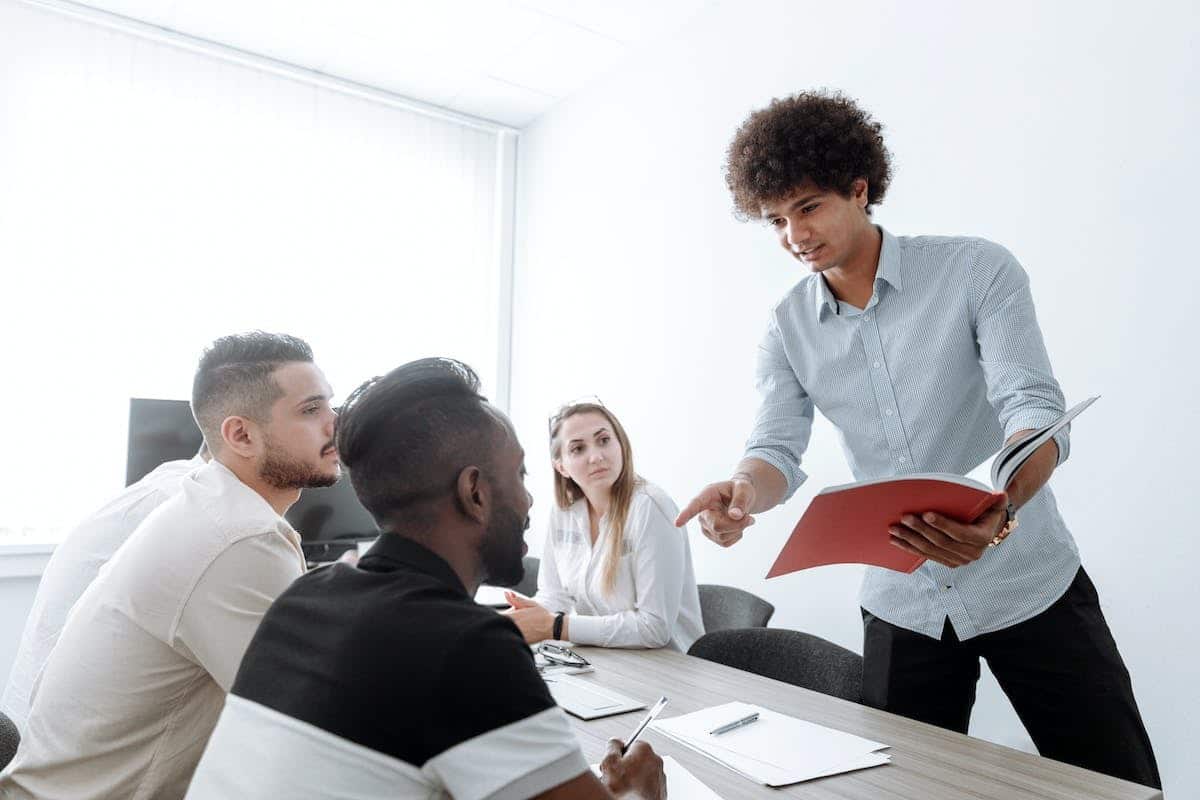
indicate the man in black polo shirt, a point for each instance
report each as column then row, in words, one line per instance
column 387, row 680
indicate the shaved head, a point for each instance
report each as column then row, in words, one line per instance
column 234, row 378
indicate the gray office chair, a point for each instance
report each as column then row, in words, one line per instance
column 725, row 607
column 528, row 584
column 800, row 659
column 10, row 737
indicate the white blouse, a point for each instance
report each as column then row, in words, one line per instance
column 654, row 602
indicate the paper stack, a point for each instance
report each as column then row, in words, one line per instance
column 776, row 750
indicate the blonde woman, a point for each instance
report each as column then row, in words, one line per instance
column 615, row 571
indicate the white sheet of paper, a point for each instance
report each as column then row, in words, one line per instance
column 771, row 775
column 681, row 784
column 490, row 595
column 777, row 749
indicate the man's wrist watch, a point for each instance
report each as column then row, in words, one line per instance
column 1010, row 525
column 556, row 633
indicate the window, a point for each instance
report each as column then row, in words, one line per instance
column 153, row 198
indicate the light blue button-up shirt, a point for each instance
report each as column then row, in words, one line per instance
column 942, row 365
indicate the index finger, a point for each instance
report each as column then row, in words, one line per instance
column 690, row 511
column 615, row 746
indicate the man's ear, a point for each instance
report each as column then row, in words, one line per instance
column 474, row 494
column 858, row 190
column 240, row 436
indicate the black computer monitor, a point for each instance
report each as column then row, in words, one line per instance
column 159, row 430
column 163, row 430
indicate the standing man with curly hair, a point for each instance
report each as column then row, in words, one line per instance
column 926, row 354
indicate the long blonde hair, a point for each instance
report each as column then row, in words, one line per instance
column 567, row 491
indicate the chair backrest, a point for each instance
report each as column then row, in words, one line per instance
column 725, row 607
column 528, row 584
column 10, row 737
column 800, row 659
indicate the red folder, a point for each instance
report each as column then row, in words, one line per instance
column 849, row 524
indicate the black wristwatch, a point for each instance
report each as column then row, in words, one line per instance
column 558, row 619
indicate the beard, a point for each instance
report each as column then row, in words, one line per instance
column 283, row 471
column 502, row 548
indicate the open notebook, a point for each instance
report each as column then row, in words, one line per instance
column 848, row 524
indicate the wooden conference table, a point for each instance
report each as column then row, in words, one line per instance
column 928, row 763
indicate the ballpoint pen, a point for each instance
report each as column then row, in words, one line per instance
column 662, row 702
column 737, row 723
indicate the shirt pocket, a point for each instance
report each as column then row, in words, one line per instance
column 568, row 538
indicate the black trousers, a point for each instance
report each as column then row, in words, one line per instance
column 1060, row 669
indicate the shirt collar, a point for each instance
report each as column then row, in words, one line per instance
column 235, row 505
column 825, row 299
column 888, row 271
column 392, row 550
column 889, row 261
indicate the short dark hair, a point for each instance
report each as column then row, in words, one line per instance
column 234, row 378
column 819, row 136
column 406, row 436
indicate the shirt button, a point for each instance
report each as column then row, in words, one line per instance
column 902, row 459
column 867, row 317
column 875, row 365
column 888, row 412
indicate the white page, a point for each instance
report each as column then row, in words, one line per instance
column 491, row 595
column 982, row 473
column 681, row 784
column 770, row 775
column 775, row 738
column 775, row 750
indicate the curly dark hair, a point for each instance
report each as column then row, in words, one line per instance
column 818, row 136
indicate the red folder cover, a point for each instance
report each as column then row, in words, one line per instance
column 849, row 524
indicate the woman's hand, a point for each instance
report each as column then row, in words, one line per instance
column 534, row 621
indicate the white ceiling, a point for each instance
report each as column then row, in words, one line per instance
column 503, row 60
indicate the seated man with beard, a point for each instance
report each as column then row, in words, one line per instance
column 133, row 687
column 386, row 680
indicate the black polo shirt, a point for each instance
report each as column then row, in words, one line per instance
column 387, row 679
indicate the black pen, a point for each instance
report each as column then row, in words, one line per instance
column 658, row 707
column 737, row 723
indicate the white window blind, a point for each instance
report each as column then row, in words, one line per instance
column 153, row 198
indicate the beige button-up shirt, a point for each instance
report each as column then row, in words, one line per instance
column 75, row 563
column 132, row 691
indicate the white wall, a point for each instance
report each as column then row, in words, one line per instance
column 1062, row 130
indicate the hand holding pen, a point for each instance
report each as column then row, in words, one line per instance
column 633, row 765
column 639, row 772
